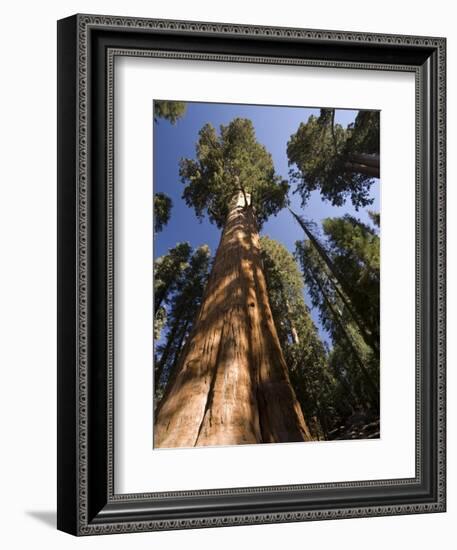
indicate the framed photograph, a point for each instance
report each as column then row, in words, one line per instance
column 251, row 274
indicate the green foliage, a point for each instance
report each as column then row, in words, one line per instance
column 226, row 163
column 375, row 217
column 345, row 361
column 284, row 281
column 169, row 110
column 183, row 306
column 349, row 393
column 324, row 156
column 364, row 134
column 162, row 211
column 305, row 354
column 167, row 271
column 160, row 318
column 353, row 249
column 342, row 285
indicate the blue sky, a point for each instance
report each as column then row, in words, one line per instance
column 273, row 126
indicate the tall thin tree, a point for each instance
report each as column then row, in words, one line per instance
column 336, row 319
column 361, row 315
column 167, row 272
column 183, row 307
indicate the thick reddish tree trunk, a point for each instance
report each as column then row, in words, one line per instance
column 231, row 384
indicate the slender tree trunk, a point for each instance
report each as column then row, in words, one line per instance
column 295, row 338
column 158, row 299
column 367, row 165
column 180, row 338
column 165, row 354
column 365, row 158
column 231, row 384
column 293, row 330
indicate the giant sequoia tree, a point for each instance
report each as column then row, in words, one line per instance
column 340, row 162
column 231, row 384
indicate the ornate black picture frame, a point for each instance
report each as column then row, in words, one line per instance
column 87, row 46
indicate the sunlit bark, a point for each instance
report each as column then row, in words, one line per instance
column 231, row 384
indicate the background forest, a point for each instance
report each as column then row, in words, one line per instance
column 302, row 186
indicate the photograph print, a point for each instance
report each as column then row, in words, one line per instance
column 266, row 274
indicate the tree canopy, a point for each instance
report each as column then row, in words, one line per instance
column 183, row 305
column 284, row 282
column 340, row 162
column 355, row 252
column 162, row 210
column 305, row 354
column 227, row 163
column 167, row 270
column 169, row 110
column 351, row 242
column 349, row 312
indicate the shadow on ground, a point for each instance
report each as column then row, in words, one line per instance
column 48, row 517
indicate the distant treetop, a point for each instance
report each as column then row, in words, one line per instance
column 162, row 211
column 169, row 110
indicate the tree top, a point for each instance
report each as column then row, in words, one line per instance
column 226, row 163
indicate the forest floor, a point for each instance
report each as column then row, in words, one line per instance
column 359, row 425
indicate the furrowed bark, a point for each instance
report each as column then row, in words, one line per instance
column 281, row 416
column 231, row 384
